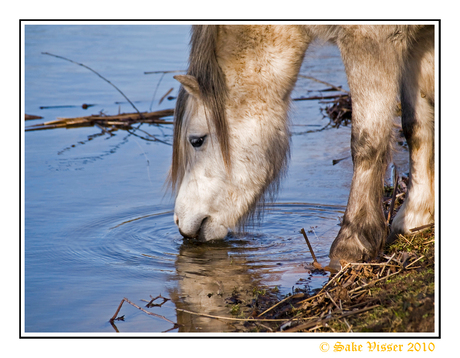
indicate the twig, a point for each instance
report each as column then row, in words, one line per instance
column 155, row 139
column 336, row 161
column 420, row 228
column 321, row 292
column 297, row 295
column 164, row 96
column 155, row 72
column 156, row 89
column 264, row 326
column 105, row 131
column 319, row 97
column 150, row 303
column 332, row 300
column 232, row 318
column 325, row 83
column 28, row 117
column 124, row 119
column 315, row 262
column 383, row 268
column 324, row 320
column 314, row 130
column 116, row 312
column 413, row 262
column 372, row 264
column 374, row 282
column 143, row 310
column 335, row 278
column 89, row 68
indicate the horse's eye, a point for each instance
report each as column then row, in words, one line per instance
column 197, row 142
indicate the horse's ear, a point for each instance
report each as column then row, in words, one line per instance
column 190, row 84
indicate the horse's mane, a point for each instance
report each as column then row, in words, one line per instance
column 204, row 67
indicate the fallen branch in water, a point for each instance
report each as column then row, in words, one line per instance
column 120, row 121
column 123, row 121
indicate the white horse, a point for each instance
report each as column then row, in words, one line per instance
column 231, row 137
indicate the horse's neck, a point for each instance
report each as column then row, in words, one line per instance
column 261, row 63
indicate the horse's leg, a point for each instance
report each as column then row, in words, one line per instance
column 373, row 66
column 417, row 100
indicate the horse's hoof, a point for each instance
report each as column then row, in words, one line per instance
column 334, row 265
column 391, row 238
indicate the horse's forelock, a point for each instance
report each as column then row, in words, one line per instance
column 178, row 158
column 204, row 67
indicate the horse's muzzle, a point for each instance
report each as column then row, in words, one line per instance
column 189, row 235
column 194, row 236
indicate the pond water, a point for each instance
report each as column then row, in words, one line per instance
column 98, row 223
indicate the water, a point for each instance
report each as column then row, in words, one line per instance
column 98, row 225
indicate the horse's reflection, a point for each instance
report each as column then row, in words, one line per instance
column 215, row 279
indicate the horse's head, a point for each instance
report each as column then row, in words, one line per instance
column 225, row 158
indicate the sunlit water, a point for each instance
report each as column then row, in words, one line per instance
column 98, row 221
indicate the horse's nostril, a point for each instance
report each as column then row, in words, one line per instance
column 192, row 235
column 202, row 222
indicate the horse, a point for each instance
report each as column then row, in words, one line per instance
column 231, row 135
